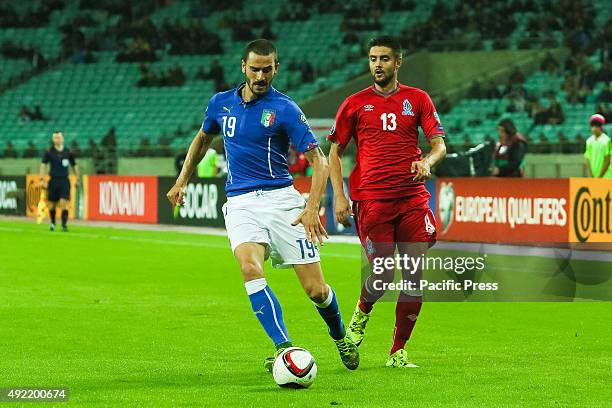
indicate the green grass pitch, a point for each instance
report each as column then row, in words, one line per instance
column 160, row 319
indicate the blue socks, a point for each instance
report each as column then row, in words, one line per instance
column 330, row 312
column 268, row 310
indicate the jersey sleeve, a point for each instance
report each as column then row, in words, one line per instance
column 297, row 128
column 46, row 157
column 344, row 127
column 210, row 125
column 429, row 119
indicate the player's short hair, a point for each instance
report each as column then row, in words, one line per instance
column 57, row 131
column 509, row 126
column 387, row 41
column 260, row 47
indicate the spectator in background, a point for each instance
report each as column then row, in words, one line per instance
column 307, row 71
column 516, row 77
column 215, row 73
column 605, row 72
column 144, row 148
column 605, row 95
column 267, row 32
column 175, row 76
column 549, row 64
column 604, row 110
column 108, row 147
column 518, row 102
column 37, row 114
column 598, row 150
column 25, row 114
column 491, row 91
column 443, row 104
column 350, row 38
column 539, row 113
column 75, row 148
column 10, row 152
column 208, row 166
column 510, row 151
column 555, row 112
column 221, row 86
column 31, row 151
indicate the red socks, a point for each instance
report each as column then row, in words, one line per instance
column 406, row 313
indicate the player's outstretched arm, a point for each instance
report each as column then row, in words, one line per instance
column 197, row 150
column 342, row 207
column 309, row 218
column 435, row 156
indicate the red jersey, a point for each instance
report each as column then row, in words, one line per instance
column 386, row 132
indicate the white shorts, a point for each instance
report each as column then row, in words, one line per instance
column 265, row 217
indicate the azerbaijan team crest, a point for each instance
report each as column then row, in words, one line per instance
column 267, row 117
column 407, row 108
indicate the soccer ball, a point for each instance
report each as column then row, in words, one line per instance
column 294, row 368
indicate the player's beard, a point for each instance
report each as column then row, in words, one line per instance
column 386, row 79
column 258, row 92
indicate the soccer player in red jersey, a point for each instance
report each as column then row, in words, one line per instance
column 390, row 201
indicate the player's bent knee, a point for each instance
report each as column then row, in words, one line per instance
column 251, row 270
column 317, row 293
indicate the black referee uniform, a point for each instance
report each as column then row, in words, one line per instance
column 59, row 185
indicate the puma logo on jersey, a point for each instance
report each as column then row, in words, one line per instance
column 227, row 109
column 368, row 108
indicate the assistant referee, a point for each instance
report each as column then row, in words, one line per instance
column 56, row 162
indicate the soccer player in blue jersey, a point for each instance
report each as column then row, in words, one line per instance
column 264, row 215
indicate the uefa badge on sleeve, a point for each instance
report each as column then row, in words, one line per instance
column 267, row 117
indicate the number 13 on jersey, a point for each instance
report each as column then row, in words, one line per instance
column 388, row 121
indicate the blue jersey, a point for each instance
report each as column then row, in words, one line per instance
column 256, row 136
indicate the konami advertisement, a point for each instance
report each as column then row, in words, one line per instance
column 122, row 198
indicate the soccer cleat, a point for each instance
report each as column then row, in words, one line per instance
column 399, row 359
column 349, row 353
column 52, row 227
column 356, row 328
column 64, row 228
column 269, row 361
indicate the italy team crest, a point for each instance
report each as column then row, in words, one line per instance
column 267, row 117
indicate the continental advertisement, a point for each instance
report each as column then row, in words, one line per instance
column 35, row 194
column 203, row 201
column 121, row 198
column 591, row 210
